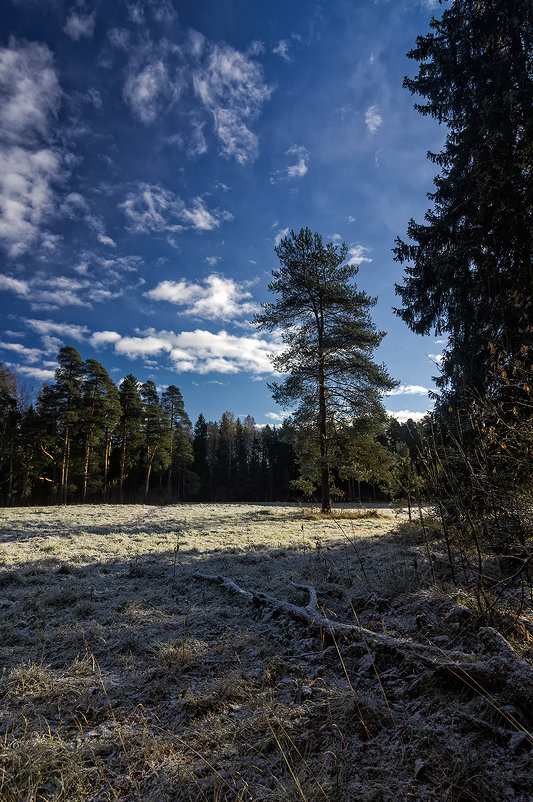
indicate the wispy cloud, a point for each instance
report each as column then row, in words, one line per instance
column 151, row 208
column 31, row 165
column 281, row 234
column 41, row 374
column 297, row 169
column 373, row 119
column 283, row 50
column 230, row 86
column 43, row 292
column 79, row 25
column 68, row 331
column 218, row 298
column 210, row 81
column 31, row 354
column 146, row 91
column 15, row 285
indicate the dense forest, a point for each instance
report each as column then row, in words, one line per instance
column 85, row 439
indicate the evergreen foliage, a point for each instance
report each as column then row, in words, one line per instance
column 88, row 440
column 469, row 265
column 329, row 337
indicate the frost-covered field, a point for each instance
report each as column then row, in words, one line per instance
column 126, row 677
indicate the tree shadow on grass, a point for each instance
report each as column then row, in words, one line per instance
column 164, row 686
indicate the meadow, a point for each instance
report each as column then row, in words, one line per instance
column 179, row 653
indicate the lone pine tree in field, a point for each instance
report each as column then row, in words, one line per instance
column 469, row 265
column 329, row 338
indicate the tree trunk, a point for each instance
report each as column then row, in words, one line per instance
column 147, row 483
column 86, row 464
column 150, row 454
column 63, row 493
column 107, row 449
column 122, row 465
column 322, row 431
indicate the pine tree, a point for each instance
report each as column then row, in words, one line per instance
column 128, row 431
column 155, row 428
column 99, row 415
column 329, row 338
column 9, row 423
column 67, row 396
column 200, row 450
column 180, row 439
column 469, row 266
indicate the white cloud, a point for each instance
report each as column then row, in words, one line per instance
column 153, row 208
column 60, row 330
column 100, row 338
column 33, row 373
column 351, row 219
column 212, row 260
column 74, row 206
column 79, row 26
column 147, row 91
column 230, row 86
column 30, row 92
column 31, row 354
column 403, row 415
column 357, row 253
column 295, row 170
column 27, row 197
column 105, row 240
column 202, row 351
column 160, row 10
column 436, row 357
column 373, row 119
column 256, row 48
column 219, row 298
column 57, row 291
column 282, row 233
column 299, row 169
column 282, row 50
column 409, row 389
column 31, row 97
column 225, row 84
column 14, row 285
column 119, row 38
column 278, row 417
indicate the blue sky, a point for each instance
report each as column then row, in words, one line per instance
column 154, row 152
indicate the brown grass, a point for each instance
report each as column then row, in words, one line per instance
column 124, row 678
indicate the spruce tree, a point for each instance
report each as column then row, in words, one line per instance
column 469, row 265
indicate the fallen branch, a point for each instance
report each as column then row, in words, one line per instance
column 504, row 670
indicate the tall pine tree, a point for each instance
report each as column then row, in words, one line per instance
column 329, row 338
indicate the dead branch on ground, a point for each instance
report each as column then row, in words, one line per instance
column 503, row 669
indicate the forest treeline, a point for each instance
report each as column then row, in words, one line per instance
column 85, row 439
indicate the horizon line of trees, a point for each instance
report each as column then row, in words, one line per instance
column 87, row 440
